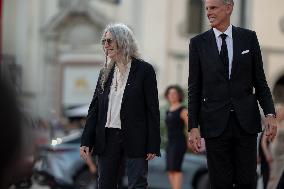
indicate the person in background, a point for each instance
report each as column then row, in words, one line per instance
column 266, row 158
column 277, row 150
column 11, row 133
column 91, row 164
column 176, row 122
column 123, row 122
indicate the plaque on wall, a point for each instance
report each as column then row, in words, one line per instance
column 78, row 85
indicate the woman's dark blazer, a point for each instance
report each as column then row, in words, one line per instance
column 139, row 114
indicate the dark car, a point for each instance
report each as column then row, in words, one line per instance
column 23, row 167
column 195, row 173
column 60, row 166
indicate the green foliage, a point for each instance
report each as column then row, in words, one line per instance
column 163, row 128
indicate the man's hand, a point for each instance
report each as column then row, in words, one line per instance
column 84, row 152
column 194, row 140
column 270, row 127
column 269, row 159
column 150, row 156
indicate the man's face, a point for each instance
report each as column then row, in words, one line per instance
column 218, row 13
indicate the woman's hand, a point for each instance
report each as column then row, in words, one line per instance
column 84, row 152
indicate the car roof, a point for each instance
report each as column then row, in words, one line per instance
column 74, row 135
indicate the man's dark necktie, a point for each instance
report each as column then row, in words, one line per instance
column 224, row 52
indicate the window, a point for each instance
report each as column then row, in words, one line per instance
column 112, row 1
column 194, row 16
column 243, row 13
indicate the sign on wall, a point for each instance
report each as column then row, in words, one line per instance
column 79, row 85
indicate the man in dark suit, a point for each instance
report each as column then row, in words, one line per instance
column 281, row 182
column 226, row 80
column 123, row 119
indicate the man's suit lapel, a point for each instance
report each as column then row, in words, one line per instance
column 214, row 52
column 130, row 79
column 213, row 45
column 236, row 50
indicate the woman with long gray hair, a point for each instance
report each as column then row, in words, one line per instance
column 123, row 119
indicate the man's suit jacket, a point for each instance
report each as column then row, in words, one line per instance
column 212, row 94
column 140, row 117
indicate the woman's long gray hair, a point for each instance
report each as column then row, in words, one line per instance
column 126, row 44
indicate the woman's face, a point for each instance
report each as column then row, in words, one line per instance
column 110, row 46
column 173, row 96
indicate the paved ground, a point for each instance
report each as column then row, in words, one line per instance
column 35, row 186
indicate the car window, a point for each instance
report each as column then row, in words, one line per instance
column 74, row 141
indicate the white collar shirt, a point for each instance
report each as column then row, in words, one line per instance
column 119, row 81
column 229, row 42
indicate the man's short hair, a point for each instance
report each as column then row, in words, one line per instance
column 228, row 2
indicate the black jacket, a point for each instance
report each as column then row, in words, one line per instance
column 211, row 93
column 140, row 117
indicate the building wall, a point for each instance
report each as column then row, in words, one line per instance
column 21, row 39
column 266, row 17
column 9, row 22
column 159, row 27
column 266, row 21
